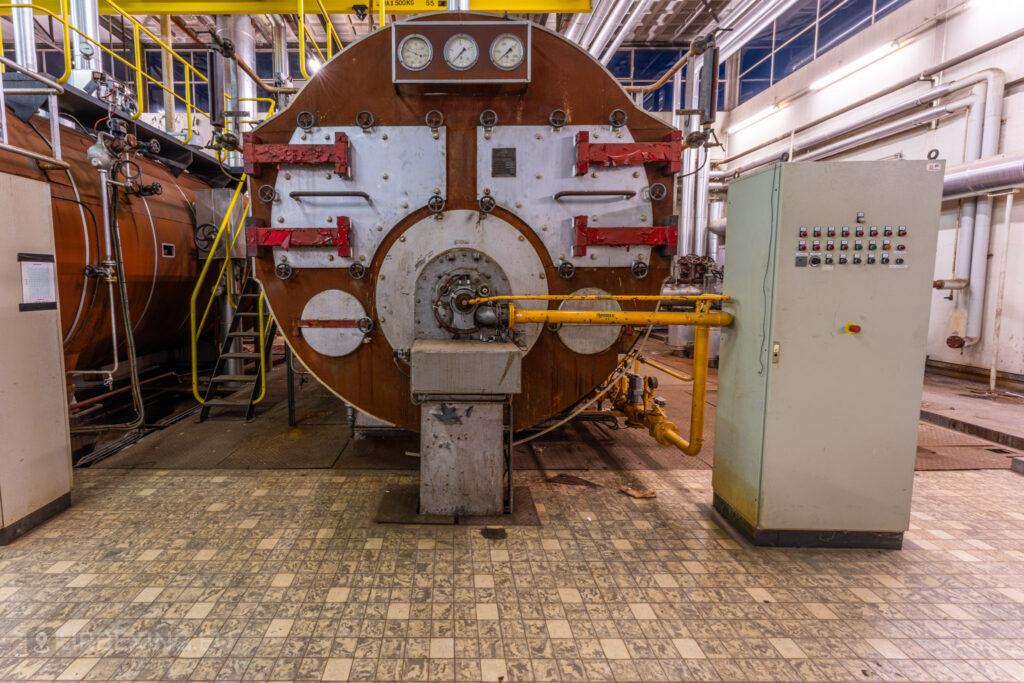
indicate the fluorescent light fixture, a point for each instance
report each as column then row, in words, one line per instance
column 759, row 116
column 313, row 64
column 854, row 66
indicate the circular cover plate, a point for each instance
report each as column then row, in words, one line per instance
column 458, row 229
column 589, row 339
column 333, row 304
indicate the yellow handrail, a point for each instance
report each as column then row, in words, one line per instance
column 263, row 330
column 194, row 339
column 304, row 31
column 64, row 11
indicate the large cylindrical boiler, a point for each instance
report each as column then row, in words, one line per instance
column 448, row 157
column 160, row 256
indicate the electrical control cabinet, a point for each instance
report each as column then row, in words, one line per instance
column 829, row 268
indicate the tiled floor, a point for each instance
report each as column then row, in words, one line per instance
column 282, row 575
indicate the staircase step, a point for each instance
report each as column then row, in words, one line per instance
column 240, row 354
column 226, row 403
column 243, row 334
column 234, row 378
column 247, row 314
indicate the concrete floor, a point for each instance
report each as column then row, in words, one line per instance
column 233, row 551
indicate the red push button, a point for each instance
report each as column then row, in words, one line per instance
column 852, row 328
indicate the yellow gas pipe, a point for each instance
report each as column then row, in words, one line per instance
column 644, row 413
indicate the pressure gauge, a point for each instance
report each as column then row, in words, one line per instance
column 507, row 51
column 461, row 52
column 415, row 52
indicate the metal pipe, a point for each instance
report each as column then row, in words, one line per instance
column 85, row 16
column 244, row 38
column 984, row 175
column 24, row 35
column 627, row 28
column 596, row 22
column 667, row 370
column 614, row 19
column 954, row 283
column 1001, row 290
column 167, row 65
column 521, row 316
column 42, row 78
column 912, row 80
column 597, row 297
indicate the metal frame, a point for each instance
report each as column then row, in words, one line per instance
column 527, row 46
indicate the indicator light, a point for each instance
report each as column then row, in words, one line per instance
column 852, row 328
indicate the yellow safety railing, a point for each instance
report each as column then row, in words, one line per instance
column 269, row 100
column 196, row 326
column 332, row 37
column 65, row 29
column 137, row 67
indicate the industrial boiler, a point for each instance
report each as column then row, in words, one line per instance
column 440, row 163
column 156, row 231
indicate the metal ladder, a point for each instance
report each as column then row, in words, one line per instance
column 251, row 309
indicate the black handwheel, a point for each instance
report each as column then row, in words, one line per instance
column 436, row 203
column 566, row 270
column 283, row 271
column 618, row 118
column 558, row 118
column 357, row 271
column 639, row 270
column 306, row 120
column 488, row 118
column 434, row 118
column 364, row 119
column 204, row 235
column 487, row 203
column 266, row 193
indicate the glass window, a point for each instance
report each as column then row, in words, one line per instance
column 660, row 99
column 843, row 21
column 651, row 64
column 883, row 7
column 621, row 64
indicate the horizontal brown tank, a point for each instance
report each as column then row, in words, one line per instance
column 373, row 377
column 159, row 286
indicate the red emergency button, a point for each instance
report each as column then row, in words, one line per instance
column 852, row 328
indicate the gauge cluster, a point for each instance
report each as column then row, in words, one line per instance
column 461, row 52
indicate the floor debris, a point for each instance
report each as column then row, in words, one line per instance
column 638, row 493
column 572, row 481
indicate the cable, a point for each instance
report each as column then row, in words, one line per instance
column 697, row 170
column 767, row 269
column 611, row 381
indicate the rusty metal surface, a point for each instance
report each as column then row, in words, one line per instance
column 563, row 77
column 256, row 154
column 158, row 287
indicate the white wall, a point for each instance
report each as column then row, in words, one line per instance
column 964, row 28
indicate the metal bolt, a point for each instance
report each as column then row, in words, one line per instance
column 636, row 174
column 619, row 135
column 437, row 190
column 328, row 176
column 405, row 205
column 538, row 176
column 362, row 257
column 593, row 257
column 330, row 220
column 521, row 238
column 280, row 219
column 542, row 276
column 330, row 257
column 402, row 238
column 487, row 190
column 287, row 176
column 303, row 137
column 539, row 136
column 593, row 175
column 544, row 228
column 643, row 218
column 436, row 136
column 519, row 205
column 597, row 135
column 379, row 228
column 381, row 278
column 593, row 218
column 384, row 137
column 385, row 176
column 327, row 137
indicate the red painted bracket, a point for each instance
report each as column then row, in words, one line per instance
column 669, row 152
column 620, row 237
column 254, row 154
column 297, row 324
column 257, row 236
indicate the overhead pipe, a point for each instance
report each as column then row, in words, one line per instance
column 614, row 19
column 595, row 22
column 984, row 175
column 634, row 18
column 907, row 82
column 24, row 35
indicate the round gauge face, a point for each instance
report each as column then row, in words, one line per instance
column 461, row 52
column 507, row 51
column 415, row 52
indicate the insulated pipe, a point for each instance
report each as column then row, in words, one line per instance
column 24, row 35
column 984, row 175
column 85, row 16
column 614, row 19
column 998, row 322
column 955, row 283
column 521, row 316
column 595, row 22
column 912, row 80
column 627, row 28
column 244, row 38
